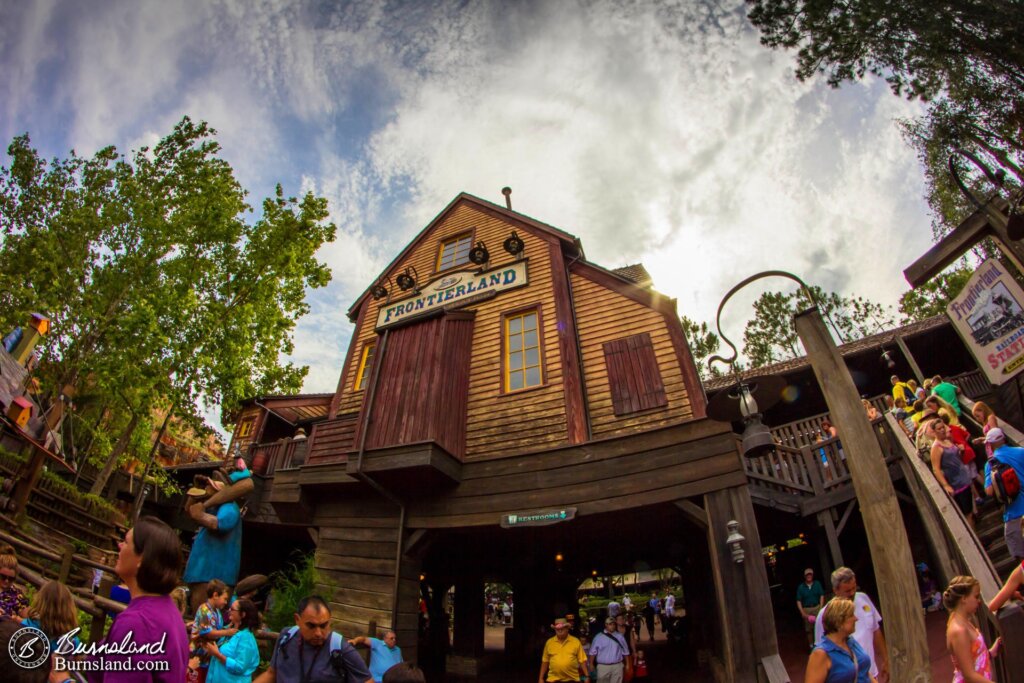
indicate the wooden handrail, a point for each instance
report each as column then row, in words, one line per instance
column 1013, row 435
column 774, row 670
column 968, row 556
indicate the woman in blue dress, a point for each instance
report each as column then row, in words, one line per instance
column 838, row 658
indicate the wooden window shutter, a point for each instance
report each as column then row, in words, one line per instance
column 633, row 375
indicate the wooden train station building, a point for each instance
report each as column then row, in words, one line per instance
column 509, row 411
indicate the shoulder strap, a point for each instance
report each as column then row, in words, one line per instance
column 337, row 641
column 287, row 634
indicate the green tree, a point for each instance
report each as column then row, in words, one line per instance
column 703, row 343
column 920, row 48
column 966, row 58
column 770, row 336
column 931, row 298
column 158, row 287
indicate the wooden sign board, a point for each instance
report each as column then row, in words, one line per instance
column 989, row 316
column 537, row 518
column 452, row 289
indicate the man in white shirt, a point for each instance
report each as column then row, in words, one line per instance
column 868, row 632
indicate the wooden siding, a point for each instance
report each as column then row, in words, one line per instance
column 355, row 557
column 603, row 315
column 421, row 394
column 497, row 424
column 258, row 417
column 658, row 466
column 331, row 439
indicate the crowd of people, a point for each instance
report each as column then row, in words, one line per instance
column 845, row 633
column 607, row 648
column 151, row 641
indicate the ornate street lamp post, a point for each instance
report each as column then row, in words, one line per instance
column 887, row 536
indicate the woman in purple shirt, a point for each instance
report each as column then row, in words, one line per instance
column 150, row 633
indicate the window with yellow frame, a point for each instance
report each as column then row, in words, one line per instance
column 522, row 351
column 365, row 365
column 454, row 251
column 245, row 427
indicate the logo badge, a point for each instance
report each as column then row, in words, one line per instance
column 29, row 648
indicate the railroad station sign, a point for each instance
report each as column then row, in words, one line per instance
column 537, row 518
column 989, row 316
column 454, row 289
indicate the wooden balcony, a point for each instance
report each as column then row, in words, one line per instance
column 806, row 476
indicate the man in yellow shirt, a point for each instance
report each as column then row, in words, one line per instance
column 563, row 656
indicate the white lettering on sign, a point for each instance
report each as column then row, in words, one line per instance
column 452, row 289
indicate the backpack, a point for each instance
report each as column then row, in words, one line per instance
column 337, row 641
column 1005, row 482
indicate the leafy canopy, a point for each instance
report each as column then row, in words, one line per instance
column 966, row 58
column 159, row 283
column 770, row 336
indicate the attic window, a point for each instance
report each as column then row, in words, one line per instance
column 454, row 251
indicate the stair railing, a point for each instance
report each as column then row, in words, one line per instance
column 950, row 534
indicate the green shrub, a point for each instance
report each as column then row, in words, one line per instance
column 291, row 585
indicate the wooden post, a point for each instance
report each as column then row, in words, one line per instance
column 832, row 536
column 27, row 480
column 910, row 359
column 66, row 554
column 743, row 594
column 887, row 537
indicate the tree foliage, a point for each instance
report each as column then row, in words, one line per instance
column 931, row 298
column 966, row 58
column 770, row 336
column 703, row 343
column 157, row 285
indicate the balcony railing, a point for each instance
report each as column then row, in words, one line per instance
column 266, row 458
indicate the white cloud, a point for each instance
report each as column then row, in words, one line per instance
column 656, row 132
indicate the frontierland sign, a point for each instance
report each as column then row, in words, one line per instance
column 989, row 315
column 454, row 289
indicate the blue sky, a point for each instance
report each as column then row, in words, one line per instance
column 656, row 132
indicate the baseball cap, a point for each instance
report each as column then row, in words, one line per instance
column 609, row 620
column 995, row 434
column 808, row 571
column 560, row 622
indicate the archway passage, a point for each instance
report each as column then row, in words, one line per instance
column 546, row 565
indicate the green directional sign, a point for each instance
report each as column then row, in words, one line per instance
column 537, row 518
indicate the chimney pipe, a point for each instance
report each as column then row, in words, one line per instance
column 507, row 191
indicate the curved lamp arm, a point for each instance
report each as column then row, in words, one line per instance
column 741, row 285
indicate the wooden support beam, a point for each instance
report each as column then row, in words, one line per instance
column 694, row 512
column 743, row 595
column 846, row 517
column 910, row 359
column 832, row 537
column 959, row 241
column 887, row 537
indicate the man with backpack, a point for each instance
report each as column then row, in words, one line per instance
column 311, row 652
column 1003, row 474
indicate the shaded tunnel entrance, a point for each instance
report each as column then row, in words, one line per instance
column 544, row 568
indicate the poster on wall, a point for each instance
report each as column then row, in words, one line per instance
column 989, row 316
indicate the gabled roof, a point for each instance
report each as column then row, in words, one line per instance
column 636, row 274
column 569, row 241
column 872, row 342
